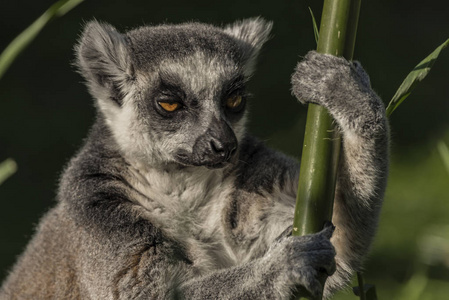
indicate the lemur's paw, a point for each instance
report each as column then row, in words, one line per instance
column 312, row 258
column 307, row 259
column 319, row 76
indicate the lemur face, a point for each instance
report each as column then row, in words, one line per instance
column 173, row 93
column 195, row 106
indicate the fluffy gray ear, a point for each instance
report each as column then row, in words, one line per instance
column 104, row 61
column 252, row 33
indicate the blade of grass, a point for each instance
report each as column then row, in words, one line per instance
column 444, row 153
column 7, row 168
column 414, row 77
column 11, row 52
column 414, row 288
column 315, row 27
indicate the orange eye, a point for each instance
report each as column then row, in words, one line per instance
column 234, row 102
column 170, row 106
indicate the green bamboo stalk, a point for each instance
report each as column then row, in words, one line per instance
column 321, row 146
column 321, row 143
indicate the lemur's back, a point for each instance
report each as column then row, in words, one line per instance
column 48, row 268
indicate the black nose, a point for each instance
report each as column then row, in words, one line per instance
column 224, row 149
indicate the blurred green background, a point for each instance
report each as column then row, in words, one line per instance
column 45, row 112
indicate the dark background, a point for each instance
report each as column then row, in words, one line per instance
column 45, row 111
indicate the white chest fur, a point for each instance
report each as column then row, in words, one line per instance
column 188, row 204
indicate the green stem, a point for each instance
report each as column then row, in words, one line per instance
column 11, row 52
column 7, row 168
column 321, row 146
column 361, row 286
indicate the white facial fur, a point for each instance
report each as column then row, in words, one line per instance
column 131, row 126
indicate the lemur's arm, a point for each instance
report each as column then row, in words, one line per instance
column 344, row 89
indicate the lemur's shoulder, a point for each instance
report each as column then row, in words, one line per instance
column 98, row 155
column 262, row 168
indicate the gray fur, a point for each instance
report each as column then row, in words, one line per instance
column 160, row 205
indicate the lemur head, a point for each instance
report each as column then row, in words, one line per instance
column 173, row 93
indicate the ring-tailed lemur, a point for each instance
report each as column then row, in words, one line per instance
column 170, row 197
